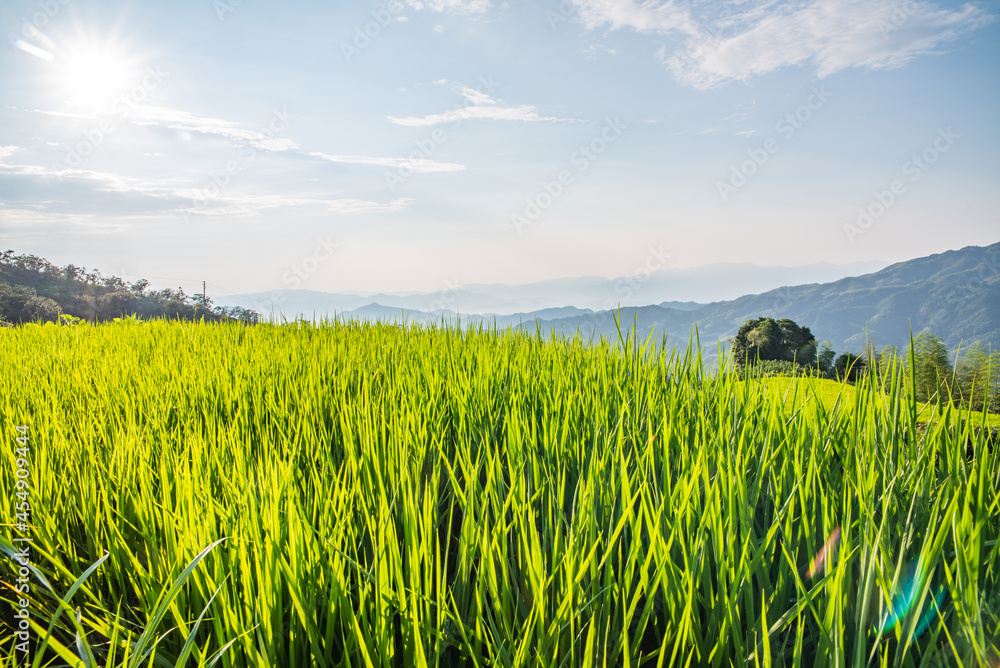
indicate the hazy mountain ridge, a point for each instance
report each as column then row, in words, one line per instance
column 685, row 289
column 955, row 295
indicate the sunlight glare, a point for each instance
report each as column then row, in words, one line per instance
column 94, row 77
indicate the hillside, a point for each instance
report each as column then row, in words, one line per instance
column 32, row 289
column 955, row 295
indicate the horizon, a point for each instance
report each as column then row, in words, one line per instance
column 478, row 142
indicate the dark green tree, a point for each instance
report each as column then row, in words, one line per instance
column 826, row 357
column 770, row 339
column 888, row 356
column 978, row 375
column 927, row 358
column 20, row 304
column 38, row 290
column 849, row 367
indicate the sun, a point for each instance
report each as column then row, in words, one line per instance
column 92, row 77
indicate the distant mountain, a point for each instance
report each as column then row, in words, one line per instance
column 955, row 295
column 684, row 289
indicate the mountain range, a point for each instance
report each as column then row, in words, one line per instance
column 955, row 295
column 685, row 288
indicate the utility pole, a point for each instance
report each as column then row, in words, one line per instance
column 204, row 294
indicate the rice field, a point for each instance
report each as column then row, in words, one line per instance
column 347, row 494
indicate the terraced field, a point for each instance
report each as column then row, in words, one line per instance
column 367, row 495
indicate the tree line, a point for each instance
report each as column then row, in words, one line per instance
column 32, row 289
column 969, row 377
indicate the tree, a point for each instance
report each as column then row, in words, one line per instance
column 770, row 339
column 849, row 367
column 826, row 357
column 20, row 304
column 245, row 315
column 927, row 359
column 873, row 363
column 38, row 290
column 978, row 373
column 42, row 308
column 117, row 304
column 887, row 357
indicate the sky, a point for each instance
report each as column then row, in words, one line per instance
column 413, row 145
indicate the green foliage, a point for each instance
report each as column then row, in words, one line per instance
column 772, row 368
column 399, row 496
column 888, row 357
column 932, row 371
column 978, row 381
column 19, row 304
column 31, row 288
column 849, row 367
column 825, row 359
column 769, row 339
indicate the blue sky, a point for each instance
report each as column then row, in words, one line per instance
column 413, row 145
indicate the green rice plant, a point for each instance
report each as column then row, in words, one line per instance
column 358, row 494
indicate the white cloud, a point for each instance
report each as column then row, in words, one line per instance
column 246, row 205
column 63, row 114
column 830, row 35
column 7, row 151
column 415, row 164
column 36, row 224
column 479, row 105
column 164, row 196
column 742, row 113
column 184, row 121
column 361, row 206
column 476, row 97
column 466, row 7
column 649, row 16
column 827, row 35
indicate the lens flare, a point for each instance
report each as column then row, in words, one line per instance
column 33, row 50
column 903, row 602
column 933, row 610
column 825, row 554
